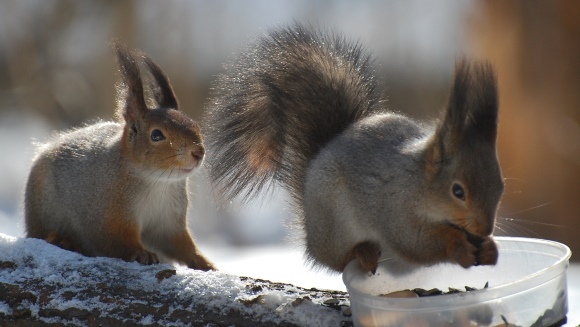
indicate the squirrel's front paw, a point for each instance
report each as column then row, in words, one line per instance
column 487, row 253
column 368, row 254
column 201, row 263
column 144, row 257
column 470, row 250
column 462, row 251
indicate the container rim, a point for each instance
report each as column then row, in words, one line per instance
column 478, row 296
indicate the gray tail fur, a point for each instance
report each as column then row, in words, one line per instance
column 280, row 102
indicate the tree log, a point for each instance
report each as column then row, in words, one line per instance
column 41, row 284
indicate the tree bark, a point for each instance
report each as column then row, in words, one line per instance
column 105, row 300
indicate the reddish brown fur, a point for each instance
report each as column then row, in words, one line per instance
column 183, row 249
column 124, row 238
column 62, row 242
column 367, row 253
column 128, row 181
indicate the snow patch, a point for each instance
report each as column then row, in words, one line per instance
column 223, row 292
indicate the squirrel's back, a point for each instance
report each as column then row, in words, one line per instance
column 82, row 142
column 72, row 165
column 281, row 102
column 72, row 154
column 119, row 189
column 303, row 108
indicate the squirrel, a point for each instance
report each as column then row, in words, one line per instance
column 119, row 188
column 303, row 108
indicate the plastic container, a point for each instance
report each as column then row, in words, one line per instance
column 527, row 287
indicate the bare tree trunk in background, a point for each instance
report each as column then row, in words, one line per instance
column 535, row 46
column 30, row 79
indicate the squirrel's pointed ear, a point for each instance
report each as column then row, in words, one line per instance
column 130, row 98
column 482, row 104
column 450, row 127
column 163, row 91
column 471, row 115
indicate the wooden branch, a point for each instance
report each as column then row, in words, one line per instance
column 41, row 284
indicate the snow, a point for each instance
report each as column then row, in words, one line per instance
column 282, row 263
column 222, row 291
column 267, row 259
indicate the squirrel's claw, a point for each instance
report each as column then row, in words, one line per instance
column 145, row 257
column 368, row 254
column 470, row 250
column 201, row 263
column 62, row 242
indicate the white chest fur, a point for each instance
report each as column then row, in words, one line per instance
column 162, row 205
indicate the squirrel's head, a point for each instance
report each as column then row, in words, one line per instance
column 159, row 140
column 462, row 168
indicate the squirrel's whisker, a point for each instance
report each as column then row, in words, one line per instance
column 530, row 209
column 524, row 221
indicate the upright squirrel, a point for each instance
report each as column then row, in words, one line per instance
column 119, row 189
column 303, row 108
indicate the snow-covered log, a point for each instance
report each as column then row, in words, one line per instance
column 42, row 284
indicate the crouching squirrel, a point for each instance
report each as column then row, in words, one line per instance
column 119, row 189
column 303, row 108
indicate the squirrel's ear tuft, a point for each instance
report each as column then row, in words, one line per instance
column 483, row 103
column 472, row 111
column 471, row 115
column 162, row 91
column 130, row 98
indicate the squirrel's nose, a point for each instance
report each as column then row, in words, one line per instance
column 198, row 154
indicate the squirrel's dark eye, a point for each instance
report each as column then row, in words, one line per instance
column 458, row 191
column 157, row 135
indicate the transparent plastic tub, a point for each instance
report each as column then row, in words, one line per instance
column 527, row 287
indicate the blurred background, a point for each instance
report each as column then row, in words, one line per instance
column 58, row 71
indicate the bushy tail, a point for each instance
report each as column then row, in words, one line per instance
column 280, row 102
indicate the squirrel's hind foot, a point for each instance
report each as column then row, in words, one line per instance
column 57, row 239
column 201, row 263
column 144, row 257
